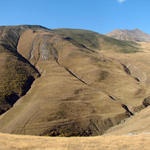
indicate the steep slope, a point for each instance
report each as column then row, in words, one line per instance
column 81, row 91
column 140, row 123
column 93, row 41
column 16, row 74
column 130, row 35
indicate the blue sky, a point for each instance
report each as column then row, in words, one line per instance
column 101, row 16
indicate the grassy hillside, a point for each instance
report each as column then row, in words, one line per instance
column 17, row 74
column 120, row 46
column 131, row 135
column 82, row 91
column 85, row 37
column 140, row 123
column 97, row 41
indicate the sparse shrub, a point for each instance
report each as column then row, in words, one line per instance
column 146, row 101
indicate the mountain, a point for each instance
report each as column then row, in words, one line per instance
column 130, row 35
column 68, row 82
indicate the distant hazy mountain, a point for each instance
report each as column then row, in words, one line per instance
column 130, row 35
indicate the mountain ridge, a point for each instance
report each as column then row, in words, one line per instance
column 130, row 35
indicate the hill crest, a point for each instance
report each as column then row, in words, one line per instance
column 130, row 35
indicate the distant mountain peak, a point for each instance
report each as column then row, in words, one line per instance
column 136, row 35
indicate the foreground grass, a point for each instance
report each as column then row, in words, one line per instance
column 123, row 142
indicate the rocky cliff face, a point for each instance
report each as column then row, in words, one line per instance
column 80, row 90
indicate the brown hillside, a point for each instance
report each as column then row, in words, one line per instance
column 133, row 134
column 16, row 74
column 140, row 123
column 83, row 90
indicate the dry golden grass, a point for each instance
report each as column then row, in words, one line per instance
column 132, row 135
column 145, row 46
column 140, row 123
column 137, row 63
column 123, row 142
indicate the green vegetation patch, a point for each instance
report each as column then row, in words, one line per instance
column 15, row 79
column 93, row 40
column 84, row 37
column 121, row 46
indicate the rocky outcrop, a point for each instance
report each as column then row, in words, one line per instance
column 146, row 101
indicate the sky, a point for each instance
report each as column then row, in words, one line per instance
column 101, row 16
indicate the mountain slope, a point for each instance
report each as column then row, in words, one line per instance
column 17, row 74
column 130, row 35
column 81, row 90
column 140, row 123
column 93, row 40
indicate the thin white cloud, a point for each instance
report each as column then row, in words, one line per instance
column 121, row 1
